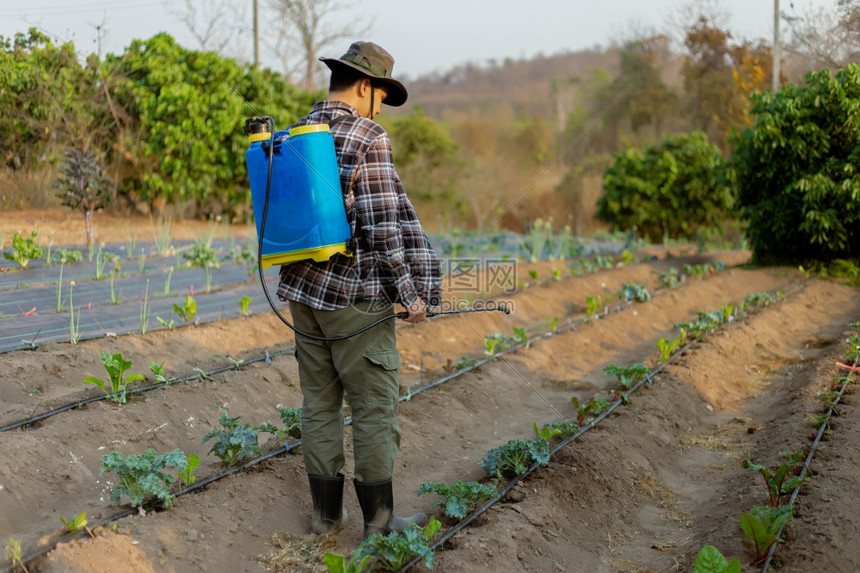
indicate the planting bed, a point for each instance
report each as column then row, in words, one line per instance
column 643, row 492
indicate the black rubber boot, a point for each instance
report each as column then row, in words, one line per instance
column 327, row 495
column 377, row 504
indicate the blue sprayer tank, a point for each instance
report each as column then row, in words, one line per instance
column 306, row 218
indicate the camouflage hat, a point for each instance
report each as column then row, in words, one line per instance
column 375, row 63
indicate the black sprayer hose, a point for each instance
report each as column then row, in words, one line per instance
column 401, row 315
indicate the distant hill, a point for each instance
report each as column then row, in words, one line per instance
column 523, row 87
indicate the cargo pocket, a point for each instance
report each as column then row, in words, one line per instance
column 381, row 386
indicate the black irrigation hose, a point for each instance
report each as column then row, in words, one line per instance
column 171, row 382
column 504, row 491
column 286, row 448
column 808, row 461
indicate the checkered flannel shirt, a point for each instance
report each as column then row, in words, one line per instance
column 393, row 260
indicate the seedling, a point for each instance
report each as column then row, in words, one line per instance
column 292, row 419
column 158, row 371
column 760, row 299
column 666, row 348
column 116, row 366
column 710, row 560
column 167, row 281
column 74, row 320
column 626, row 257
column 520, row 335
column 727, row 312
column 141, row 477
column 24, row 250
column 235, row 442
column 592, row 303
column 237, row 364
column 391, row 552
column 13, row 553
column 59, row 306
column 243, row 305
column 595, row 406
column 534, row 274
column 547, row 432
column 760, row 526
column 514, row 457
column 830, row 397
column 560, row 428
column 670, row 279
column 169, row 323
column 144, row 310
column 635, row 292
column 201, row 254
column 188, row 310
column 336, row 563
column 627, row 376
column 781, row 482
column 115, row 297
column 187, row 475
column 77, row 523
column 459, row 498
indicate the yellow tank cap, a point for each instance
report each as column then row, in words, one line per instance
column 311, row 128
column 255, row 137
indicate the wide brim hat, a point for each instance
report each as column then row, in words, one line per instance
column 375, row 63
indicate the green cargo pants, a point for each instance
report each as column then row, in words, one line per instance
column 366, row 368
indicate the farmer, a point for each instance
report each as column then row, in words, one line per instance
column 392, row 261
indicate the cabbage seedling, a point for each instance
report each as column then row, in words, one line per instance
column 515, row 456
column 116, row 366
column 628, row 376
column 235, row 442
column 395, row 550
column 460, row 497
column 140, row 476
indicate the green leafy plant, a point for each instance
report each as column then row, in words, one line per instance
column 459, row 498
column 781, row 482
column 592, row 304
column 292, row 419
column 595, row 406
column 116, row 366
column 234, row 442
column 24, row 250
column 760, row 526
column 70, row 256
column 201, row 254
column 666, row 348
column 167, row 281
column 188, row 310
column 710, row 560
column 167, row 323
column 59, row 306
column 634, row 291
column 670, row 279
column 547, row 432
column 336, row 563
column 514, row 457
column 74, row 319
column 13, row 553
column 244, row 302
column 521, row 335
column 758, row 299
column 627, row 375
column 141, row 477
column 158, row 371
column 391, row 552
column 187, row 475
column 77, row 522
column 560, row 428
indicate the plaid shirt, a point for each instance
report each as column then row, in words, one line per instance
column 393, row 260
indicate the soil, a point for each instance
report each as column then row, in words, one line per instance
column 644, row 491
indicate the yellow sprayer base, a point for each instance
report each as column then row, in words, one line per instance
column 319, row 254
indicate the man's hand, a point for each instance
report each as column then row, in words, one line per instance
column 417, row 311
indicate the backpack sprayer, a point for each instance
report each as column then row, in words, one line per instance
column 295, row 173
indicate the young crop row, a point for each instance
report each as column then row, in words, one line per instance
column 514, row 460
column 235, row 442
column 762, row 525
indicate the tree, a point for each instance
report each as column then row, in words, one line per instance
column 671, row 189
column 428, row 160
column 83, row 185
column 796, row 170
column 302, row 21
column 828, row 37
column 214, row 24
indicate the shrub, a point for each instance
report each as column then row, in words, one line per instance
column 671, row 189
column 796, row 170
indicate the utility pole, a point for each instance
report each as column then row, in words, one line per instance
column 256, row 35
column 775, row 75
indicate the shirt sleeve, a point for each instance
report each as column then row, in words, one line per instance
column 377, row 215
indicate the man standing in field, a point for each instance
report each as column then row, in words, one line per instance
column 392, row 262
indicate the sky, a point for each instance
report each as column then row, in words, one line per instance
column 423, row 36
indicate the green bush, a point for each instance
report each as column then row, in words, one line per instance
column 671, row 189
column 797, row 170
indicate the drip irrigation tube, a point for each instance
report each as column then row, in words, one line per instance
column 504, row 491
column 286, row 448
column 808, row 461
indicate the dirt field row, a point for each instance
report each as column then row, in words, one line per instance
column 604, row 513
